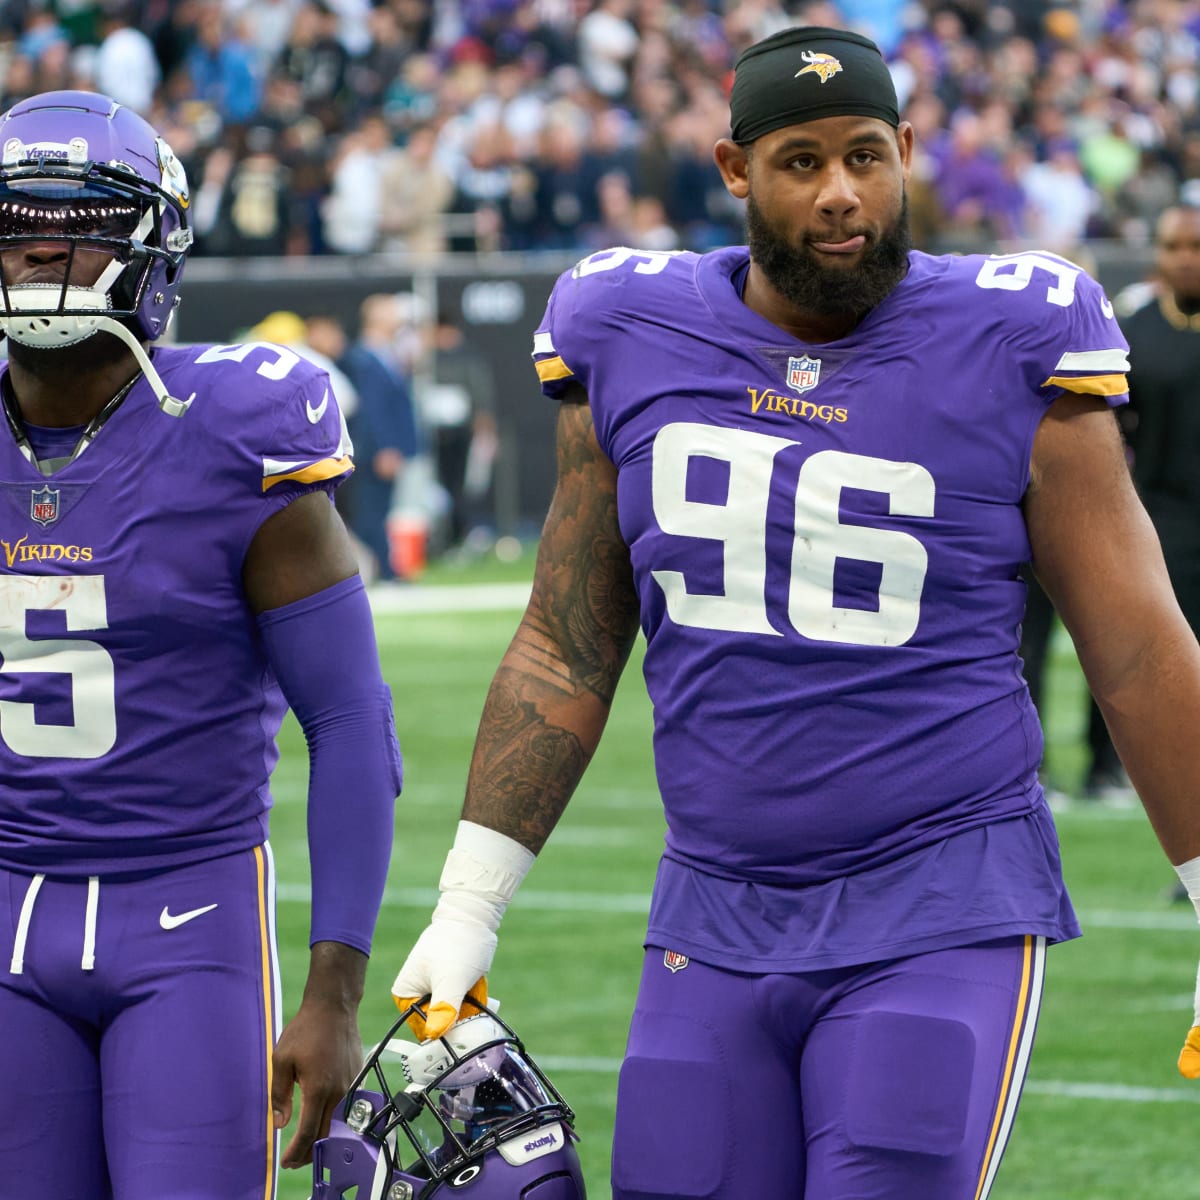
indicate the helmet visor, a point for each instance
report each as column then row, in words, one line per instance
column 49, row 209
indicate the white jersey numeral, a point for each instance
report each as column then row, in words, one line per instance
column 88, row 666
column 1014, row 273
column 649, row 262
column 280, row 360
column 821, row 538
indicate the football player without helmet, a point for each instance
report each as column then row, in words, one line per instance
column 475, row 1117
column 91, row 180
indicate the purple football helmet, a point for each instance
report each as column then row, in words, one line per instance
column 80, row 171
column 471, row 1115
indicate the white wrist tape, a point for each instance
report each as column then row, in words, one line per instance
column 483, row 870
column 1189, row 876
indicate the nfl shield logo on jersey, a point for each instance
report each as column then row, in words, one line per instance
column 803, row 373
column 43, row 505
column 674, row 961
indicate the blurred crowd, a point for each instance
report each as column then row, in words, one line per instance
column 419, row 126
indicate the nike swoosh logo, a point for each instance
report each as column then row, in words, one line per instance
column 167, row 921
column 1106, row 307
column 315, row 414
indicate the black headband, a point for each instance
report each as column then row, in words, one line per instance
column 807, row 73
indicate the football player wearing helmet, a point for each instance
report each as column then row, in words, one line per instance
column 174, row 576
column 809, row 470
column 466, row 1114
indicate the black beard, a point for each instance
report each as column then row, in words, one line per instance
column 830, row 291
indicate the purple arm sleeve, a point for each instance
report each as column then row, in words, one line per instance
column 324, row 654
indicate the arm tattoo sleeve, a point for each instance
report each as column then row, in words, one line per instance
column 550, row 697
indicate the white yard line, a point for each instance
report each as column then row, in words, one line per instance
column 1112, row 1091
column 444, row 598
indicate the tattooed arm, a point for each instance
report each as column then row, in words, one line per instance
column 544, row 714
column 550, row 697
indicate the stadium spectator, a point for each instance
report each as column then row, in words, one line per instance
column 384, row 429
column 479, row 209
column 1061, row 202
column 412, row 96
column 1164, row 340
column 608, row 43
column 267, row 24
column 651, row 228
column 566, row 194
column 1142, row 198
column 244, row 204
column 42, row 32
column 351, row 212
column 456, row 399
column 416, row 192
column 199, row 555
column 126, row 66
column 20, row 79
column 978, row 202
column 696, row 204
column 371, row 72
column 316, row 60
column 221, row 67
column 822, row 552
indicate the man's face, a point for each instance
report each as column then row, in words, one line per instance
column 1178, row 253
column 48, row 229
column 826, row 213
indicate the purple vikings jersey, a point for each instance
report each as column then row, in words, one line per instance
column 137, row 710
column 826, row 542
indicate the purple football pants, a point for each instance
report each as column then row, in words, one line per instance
column 138, row 1019
column 889, row 1081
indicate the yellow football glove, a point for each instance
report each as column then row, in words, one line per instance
column 440, row 1017
column 1189, row 1056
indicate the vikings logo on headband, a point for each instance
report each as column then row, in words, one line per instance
column 824, row 66
column 770, row 93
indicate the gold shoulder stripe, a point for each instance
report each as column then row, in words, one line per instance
column 327, row 468
column 552, row 368
column 1090, row 385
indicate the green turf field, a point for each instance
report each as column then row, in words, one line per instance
column 1105, row 1115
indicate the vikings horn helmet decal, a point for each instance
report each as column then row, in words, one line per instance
column 467, row 1115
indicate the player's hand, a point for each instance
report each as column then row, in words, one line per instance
column 319, row 1049
column 453, row 956
column 450, row 961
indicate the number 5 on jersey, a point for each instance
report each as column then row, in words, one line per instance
column 820, row 537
